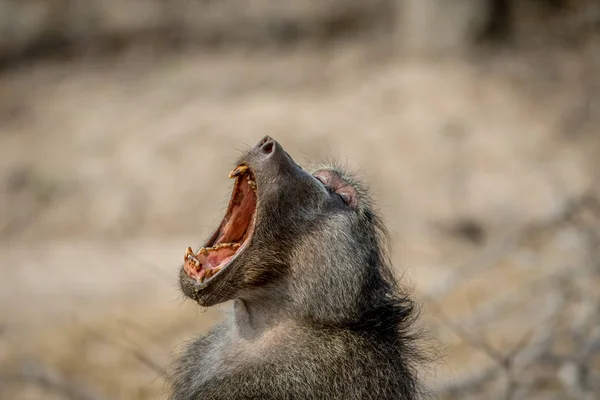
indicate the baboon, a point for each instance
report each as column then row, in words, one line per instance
column 317, row 312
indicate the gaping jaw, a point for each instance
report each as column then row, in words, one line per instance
column 232, row 236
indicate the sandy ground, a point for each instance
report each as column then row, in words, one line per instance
column 112, row 170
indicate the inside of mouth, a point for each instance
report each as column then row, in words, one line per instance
column 233, row 232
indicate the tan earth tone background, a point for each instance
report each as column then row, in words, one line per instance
column 119, row 122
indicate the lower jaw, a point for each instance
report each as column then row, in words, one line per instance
column 205, row 294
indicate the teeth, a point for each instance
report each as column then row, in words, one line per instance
column 225, row 246
column 189, row 255
column 208, row 274
column 252, row 184
column 240, row 169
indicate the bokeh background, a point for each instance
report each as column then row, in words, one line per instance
column 475, row 122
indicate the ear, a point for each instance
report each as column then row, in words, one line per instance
column 336, row 183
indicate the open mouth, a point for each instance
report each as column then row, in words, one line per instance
column 233, row 234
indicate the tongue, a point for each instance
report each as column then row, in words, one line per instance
column 216, row 257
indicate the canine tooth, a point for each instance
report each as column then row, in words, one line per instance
column 189, row 255
column 240, row 169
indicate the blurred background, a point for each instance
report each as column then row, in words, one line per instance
column 475, row 122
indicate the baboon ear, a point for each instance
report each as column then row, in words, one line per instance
column 337, row 184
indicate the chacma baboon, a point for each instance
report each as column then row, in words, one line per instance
column 317, row 313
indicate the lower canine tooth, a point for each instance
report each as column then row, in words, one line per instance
column 189, row 255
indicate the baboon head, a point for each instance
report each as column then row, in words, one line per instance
column 287, row 235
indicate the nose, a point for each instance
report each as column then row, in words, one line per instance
column 267, row 146
column 268, row 152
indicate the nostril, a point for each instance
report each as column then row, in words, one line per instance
column 263, row 140
column 267, row 148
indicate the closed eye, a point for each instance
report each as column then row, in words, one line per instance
column 318, row 178
column 342, row 196
column 345, row 198
column 334, row 183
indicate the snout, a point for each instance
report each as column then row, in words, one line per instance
column 270, row 161
column 268, row 150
